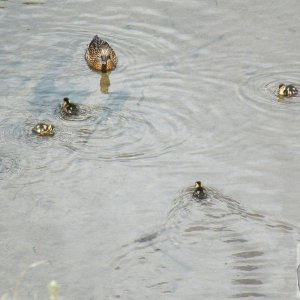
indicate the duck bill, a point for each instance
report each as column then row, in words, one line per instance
column 104, row 67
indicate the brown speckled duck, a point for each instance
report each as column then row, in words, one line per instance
column 100, row 56
column 287, row 90
column 43, row 129
column 199, row 191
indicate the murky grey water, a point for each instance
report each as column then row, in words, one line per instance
column 107, row 201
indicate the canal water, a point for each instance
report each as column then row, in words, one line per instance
column 105, row 206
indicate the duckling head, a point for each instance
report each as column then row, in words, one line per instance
column 282, row 89
column 199, row 191
column 198, row 184
column 50, row 128
column 66, row 101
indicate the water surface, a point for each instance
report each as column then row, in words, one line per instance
column 107, row 201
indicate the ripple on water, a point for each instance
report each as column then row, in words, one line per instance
column 141, row 47
column 86, row 113
column 17, row 130
column 259, row 90
column 28, row 151
column 129, row 134
column 12, row 131
column 216, row 240
column 102, row 133
column 9, row 165
column 139, row 41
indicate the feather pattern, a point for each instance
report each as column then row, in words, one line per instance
column 100, row 55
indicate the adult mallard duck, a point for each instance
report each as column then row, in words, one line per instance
column 199, row 191
column 100, row 56
column 43, row 129
column 69, row 108
column 287, row 90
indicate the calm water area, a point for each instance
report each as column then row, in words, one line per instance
column 106, row 203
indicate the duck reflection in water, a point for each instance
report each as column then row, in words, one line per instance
column 104, row 83
column 102, row 58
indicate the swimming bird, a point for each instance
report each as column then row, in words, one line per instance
column 69, row 108
column 199, row 191
column 43, row 129
column 287, row 90
column 100, row 56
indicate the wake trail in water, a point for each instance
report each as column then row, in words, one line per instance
column 215, row 242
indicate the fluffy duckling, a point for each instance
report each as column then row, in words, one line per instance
column 43, row 129
column 287, row 90
column 199, row 191
column 69, row 108
column 100, row 56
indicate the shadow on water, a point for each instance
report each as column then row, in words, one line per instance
column 203, row 244
column 35, row 2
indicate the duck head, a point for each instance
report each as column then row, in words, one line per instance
column 282, row 89
column 105, row 62
column 66, row 101
column 198, row 184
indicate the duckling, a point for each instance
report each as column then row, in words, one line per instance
column 199, row 191
column 287, row 90
column 43, row 129
column 69, row 108
column 100, row 56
